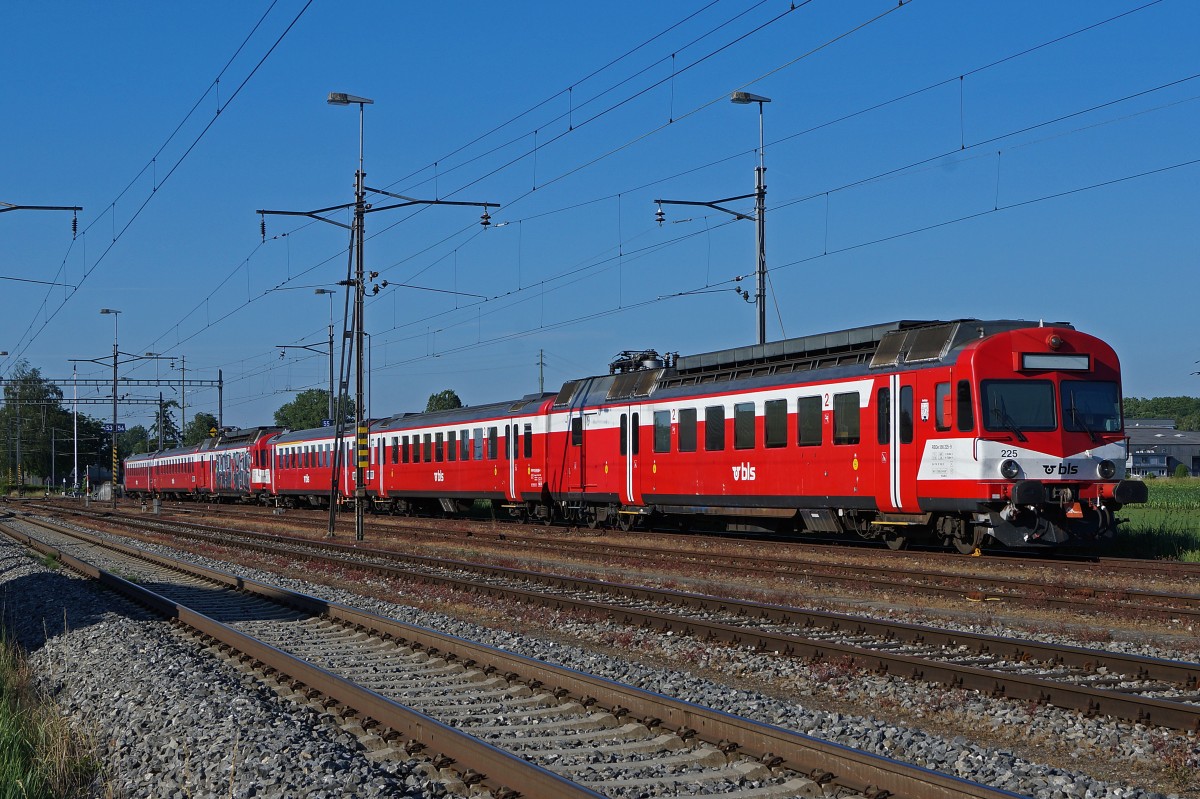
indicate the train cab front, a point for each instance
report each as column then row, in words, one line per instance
column 1052, row 446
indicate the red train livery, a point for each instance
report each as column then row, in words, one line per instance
column 235, row 466
column 965, row 433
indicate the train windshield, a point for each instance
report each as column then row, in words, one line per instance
column 1018, row 406
column 1091, row 406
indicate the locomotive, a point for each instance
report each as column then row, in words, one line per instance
column 964, row 433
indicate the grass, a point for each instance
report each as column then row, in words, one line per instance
column 1167, row 526
column 40, row 758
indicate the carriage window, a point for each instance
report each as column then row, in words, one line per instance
column 1018, row 406
column 464, row 446
column 775, row 423
column 452, row 445
column 714, row 427
column 883, row 415
column 416, row 448
column 491, row 443
column 509, row 449
column 687, row 430
column 906, row 414
column 636, row 432
column 743, row 425
column 427, row 441
column 940, row 393
column 808, row 421
column 529, row 441
column 395, row 449
column 624, row 448
column 846, row 419
column 577, row 431
column 966, row 409
column 662, row 431
column 404, row 449
column 477, row 440
column 439, row 448
column 1090, row 406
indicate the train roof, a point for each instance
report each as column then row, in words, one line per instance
column 525, row 404
column 854, row 351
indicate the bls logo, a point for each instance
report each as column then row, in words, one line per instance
column 1062, row 468
column 743, row 472
column 439, row 476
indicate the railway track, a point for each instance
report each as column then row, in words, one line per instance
column 788, row 551
column 1135, row 688
column 1056, row 591
column 508, row 724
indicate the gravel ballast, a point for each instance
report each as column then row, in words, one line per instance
column 267, row 729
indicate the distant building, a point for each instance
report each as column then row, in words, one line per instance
column 1157, row 448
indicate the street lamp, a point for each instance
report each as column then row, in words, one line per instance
column 361, row 208
column 361, row 450
column 115, row 315
column 760, row 220
column 329, row 292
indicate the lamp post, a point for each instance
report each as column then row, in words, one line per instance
column 760, row 214
column 361, row 451
column 361, row 208
column 759, row 217
column 115, row 314
column 329, row 292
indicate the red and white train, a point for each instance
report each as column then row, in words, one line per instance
column 966, row 433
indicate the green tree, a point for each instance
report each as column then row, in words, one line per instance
column 443, row 401
column 196, row 430
column 1181, row 471
column 1185, row 411
column 308, row 409
column 136, row 440
column 34, row 409
column 164, row 421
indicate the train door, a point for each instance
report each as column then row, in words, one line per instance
column 575, row 454
column 512, row 452
column 629, row 446
column 896, row 466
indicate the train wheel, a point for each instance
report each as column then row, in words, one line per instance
column 896, row 542
column 969, row 545
column 591, row 518
column 625, row 521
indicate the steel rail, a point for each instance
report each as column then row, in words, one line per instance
column 500, row 769
column 1141, row 709
column 1168, row 605
column 823, row 761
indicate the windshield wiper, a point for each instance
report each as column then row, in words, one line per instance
column 1008, row 421
column 1077, row 418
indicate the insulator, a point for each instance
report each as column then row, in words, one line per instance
column 74, row 225
column 262, row 227
column 485, row 219
column 659, row 216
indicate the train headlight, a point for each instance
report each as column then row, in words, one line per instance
column 1010, row 469
column 1107, row 470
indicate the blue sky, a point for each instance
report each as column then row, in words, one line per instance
column 1055, row 179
